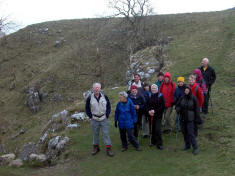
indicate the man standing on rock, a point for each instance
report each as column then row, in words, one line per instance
column 98, row 109
column 209, row 76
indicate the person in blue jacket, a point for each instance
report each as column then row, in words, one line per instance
column 125, row 117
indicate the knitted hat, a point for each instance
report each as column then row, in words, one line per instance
column 180, row 79
column 134, row 87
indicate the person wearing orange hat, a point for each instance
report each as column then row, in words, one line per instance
column 179, row 92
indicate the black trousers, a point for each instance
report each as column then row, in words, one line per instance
column 188, row 131
column 138, row 124
column 156, row 130
column 206, row 102
column 131, row 137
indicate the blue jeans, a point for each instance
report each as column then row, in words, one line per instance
column 96, row 126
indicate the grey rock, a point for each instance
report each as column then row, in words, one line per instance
column 71, row 126
column 34, row 97
column 16, row 163
column 22, row 131
column 26, row 150
column 78, row 116
column 53, row 142
column 6, row 159
column 41, row 158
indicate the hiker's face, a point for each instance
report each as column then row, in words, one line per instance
column 123, row 99
column 191, row 81
column 146, row 88
column 204, row 63
column 96, row 89
column 136, row 78
column 186, row 91
column 180, row 83
column 160, row 78
column 166, row 79
column 154, row 89
column 134, row 91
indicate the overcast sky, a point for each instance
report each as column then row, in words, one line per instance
column 26, row 12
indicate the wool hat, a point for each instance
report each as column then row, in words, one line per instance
column 134, row 87
column 180, row 79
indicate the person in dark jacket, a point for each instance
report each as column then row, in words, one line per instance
column 145, row 123
column 125, row 117
column 160, row 79
column 209, row 76
column 179, row 92
column 189, row 111
column 139, row 104
column 155, row 107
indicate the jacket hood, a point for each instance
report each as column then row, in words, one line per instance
column 167, row 74
column 198, row 73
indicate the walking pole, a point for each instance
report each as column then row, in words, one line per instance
column 151, row 131
column 211, row 104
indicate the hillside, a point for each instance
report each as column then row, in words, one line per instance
column 32, row 56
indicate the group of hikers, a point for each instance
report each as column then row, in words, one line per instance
column 149, row 108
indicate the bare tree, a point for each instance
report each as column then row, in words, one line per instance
column 133, row 12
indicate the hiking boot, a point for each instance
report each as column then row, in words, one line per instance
column 96, row 149
column 109, row 152
column 124, row 149
column 186, row 148
column 138, row 149
column 160, row 147
column 166, row 131
column 195, row 151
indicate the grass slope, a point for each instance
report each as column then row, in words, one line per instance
column 196, row 36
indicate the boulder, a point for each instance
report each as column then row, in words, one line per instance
column 16, row 163
column 26, row 150
column 41, row 158
column 78, row 116
column 71, row 126
column 6, row 159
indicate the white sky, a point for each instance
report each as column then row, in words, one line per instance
column 26, row 12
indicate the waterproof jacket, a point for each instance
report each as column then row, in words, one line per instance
column 188, row 109
column 157, row 103
column 197, row 92
column 167, row 90
column 179, row 92
column 138, row 100
column 209, row 76
column 125, row 114
column 200, row 80
column 158, row 83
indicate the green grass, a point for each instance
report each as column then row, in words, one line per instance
column 195, row 36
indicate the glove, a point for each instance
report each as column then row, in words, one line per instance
column 115, row 124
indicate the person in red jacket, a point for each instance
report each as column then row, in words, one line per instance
column 167, row 89
column 196, row 90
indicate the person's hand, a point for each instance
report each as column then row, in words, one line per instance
column 137, row 107
column 115, row 124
